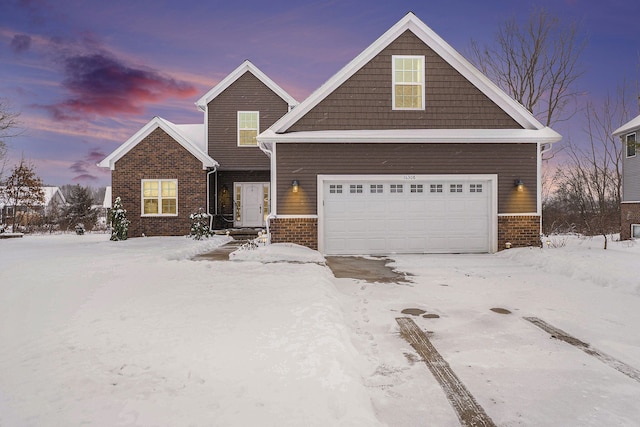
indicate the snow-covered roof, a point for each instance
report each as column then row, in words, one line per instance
column 543, row 136
column 411, row 22
column 49, row 194
column 246, row 66
column 628, row 127
column 191, row 137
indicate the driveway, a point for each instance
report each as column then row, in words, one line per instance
column 473, row 309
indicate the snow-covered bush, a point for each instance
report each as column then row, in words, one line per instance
column 80, row 229
column 199, row 225
column 119, row 221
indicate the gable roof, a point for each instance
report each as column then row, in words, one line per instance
column 245, row 67
column 191, row 137
column 628, row 127
column 49, row 194
column 410, row 22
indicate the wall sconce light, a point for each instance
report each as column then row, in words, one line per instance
column 295, row 186
column 519, row 185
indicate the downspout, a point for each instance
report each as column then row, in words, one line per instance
column 267, row 148
column 214, row 170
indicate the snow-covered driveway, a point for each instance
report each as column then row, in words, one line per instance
column 105, row 333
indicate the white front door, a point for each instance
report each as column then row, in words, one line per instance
column 251, row 203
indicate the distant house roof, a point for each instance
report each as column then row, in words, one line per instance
column 246, row 66
column 533, row 130
column 50, row 193
column 190, row 136
column 628, row 127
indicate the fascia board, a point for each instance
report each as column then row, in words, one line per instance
column 410, row 22
column 542, row 136
column 235, row 75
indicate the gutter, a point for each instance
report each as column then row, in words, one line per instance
column 214, row 170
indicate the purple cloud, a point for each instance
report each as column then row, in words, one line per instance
column 99, row 84
column 86, row 168
column 20, row 43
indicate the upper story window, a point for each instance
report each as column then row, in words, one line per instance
column 631, row 145
column 248, row 126
column 159, row 197
column 408, row 82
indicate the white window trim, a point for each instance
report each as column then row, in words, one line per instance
column 239, row 129
column 393, row 82
column 159, row 181
column 626, row 145
column 632, row 227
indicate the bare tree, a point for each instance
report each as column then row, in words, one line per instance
column 589, row 185
column 9, row 128
column 538, row 64
column 23, row 189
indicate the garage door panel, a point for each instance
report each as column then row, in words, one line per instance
column 417, row 217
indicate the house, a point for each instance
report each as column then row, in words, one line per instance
column 407, row 149
column 630, row 206
column 53, row 200
column 165, row 172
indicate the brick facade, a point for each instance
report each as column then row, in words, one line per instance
column 301, row 231
column 519, row 230
column 629, row 214
column 159, row 156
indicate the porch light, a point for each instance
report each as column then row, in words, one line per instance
column 519, row 185
column 295, row 185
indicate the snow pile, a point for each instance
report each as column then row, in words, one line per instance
column 278, row 252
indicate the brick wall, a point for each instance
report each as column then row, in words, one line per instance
column 520, row 231
column 301, row 231
column 629, row 214
column 158, row 156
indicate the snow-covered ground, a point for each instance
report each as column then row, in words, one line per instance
column 103, row 333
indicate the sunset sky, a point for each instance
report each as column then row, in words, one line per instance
column 87, row 74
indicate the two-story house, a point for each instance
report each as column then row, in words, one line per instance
column 408, row 148
column 630, row 207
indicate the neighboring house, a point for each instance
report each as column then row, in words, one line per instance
column 165, row 171
column 630, row 207
column 53, row 199
column 408, row 148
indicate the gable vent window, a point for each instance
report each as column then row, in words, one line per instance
column 355, row 188
column 335, row 189
column 248, row 125
column 475, row 188
column 408, row 82
column 376, row 188
column 417, row 188
column 631, row 145
column 455, row 188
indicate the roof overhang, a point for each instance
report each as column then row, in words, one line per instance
column 628, row 127
column 545, row 135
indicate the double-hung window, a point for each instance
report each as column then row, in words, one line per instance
column 408, row 82
column 159, row 197
column 248, row 126
column 631, row 145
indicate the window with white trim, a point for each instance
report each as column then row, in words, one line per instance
column 475, row 188
column 408, row 82
column 635, row 231
column 376, row 188
column 159, row 197
column 455, row 188
column 335, row 188
column 355, row 188
column 248, row 127
column 396, row 188
column 631, row 145
column 417, row 188
column 435, row 188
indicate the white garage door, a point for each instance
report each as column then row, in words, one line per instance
column 406, row 215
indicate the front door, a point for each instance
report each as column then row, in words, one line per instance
column 251, row 203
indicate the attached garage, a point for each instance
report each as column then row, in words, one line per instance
column 383, row 214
